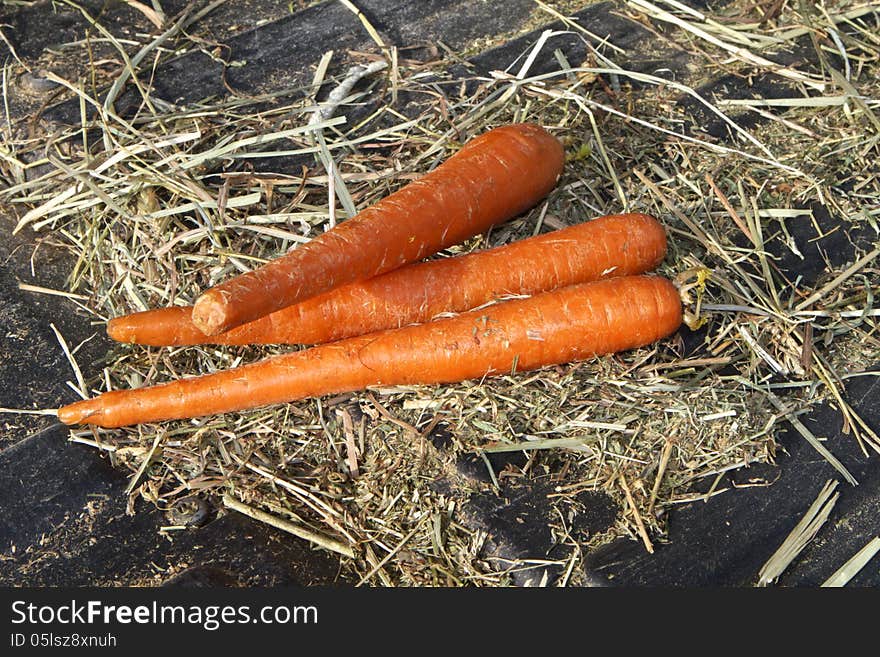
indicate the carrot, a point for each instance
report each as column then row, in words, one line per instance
column 567, row 324
column 492, row 178
column 614, row 245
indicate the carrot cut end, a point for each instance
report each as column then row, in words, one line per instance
column 209, row 314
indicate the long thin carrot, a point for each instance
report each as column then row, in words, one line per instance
column 492, row 178
column 567, row 324
column 614, row 245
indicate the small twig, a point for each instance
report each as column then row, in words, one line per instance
column 324, row 111
column 289, row 527
column 661, row 470
column 373, row 560
column 387, row 557
column 351, row 450
column 727, row 206
column 148, row 459
column 322, row 508
column 340, row 92
column 639, row 523
column 384, row 412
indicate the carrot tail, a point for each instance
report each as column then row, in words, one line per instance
column 568, row 324
column 491, row 179
column 613, row 245
column 159, row 327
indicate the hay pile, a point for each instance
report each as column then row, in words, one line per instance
column 157, row 207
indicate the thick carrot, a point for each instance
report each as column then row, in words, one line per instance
column 494, row 177
column 567, row 324
column 614, row 245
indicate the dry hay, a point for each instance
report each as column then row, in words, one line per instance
column 153, row 214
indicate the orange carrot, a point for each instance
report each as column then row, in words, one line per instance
column 491, row 179
column 568, row 324
column 614, row 245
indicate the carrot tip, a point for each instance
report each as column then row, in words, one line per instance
column 118, row 329
column 77, row 412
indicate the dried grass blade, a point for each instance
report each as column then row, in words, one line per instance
column 852, row 567
column 291, row 528
column 801, row 535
